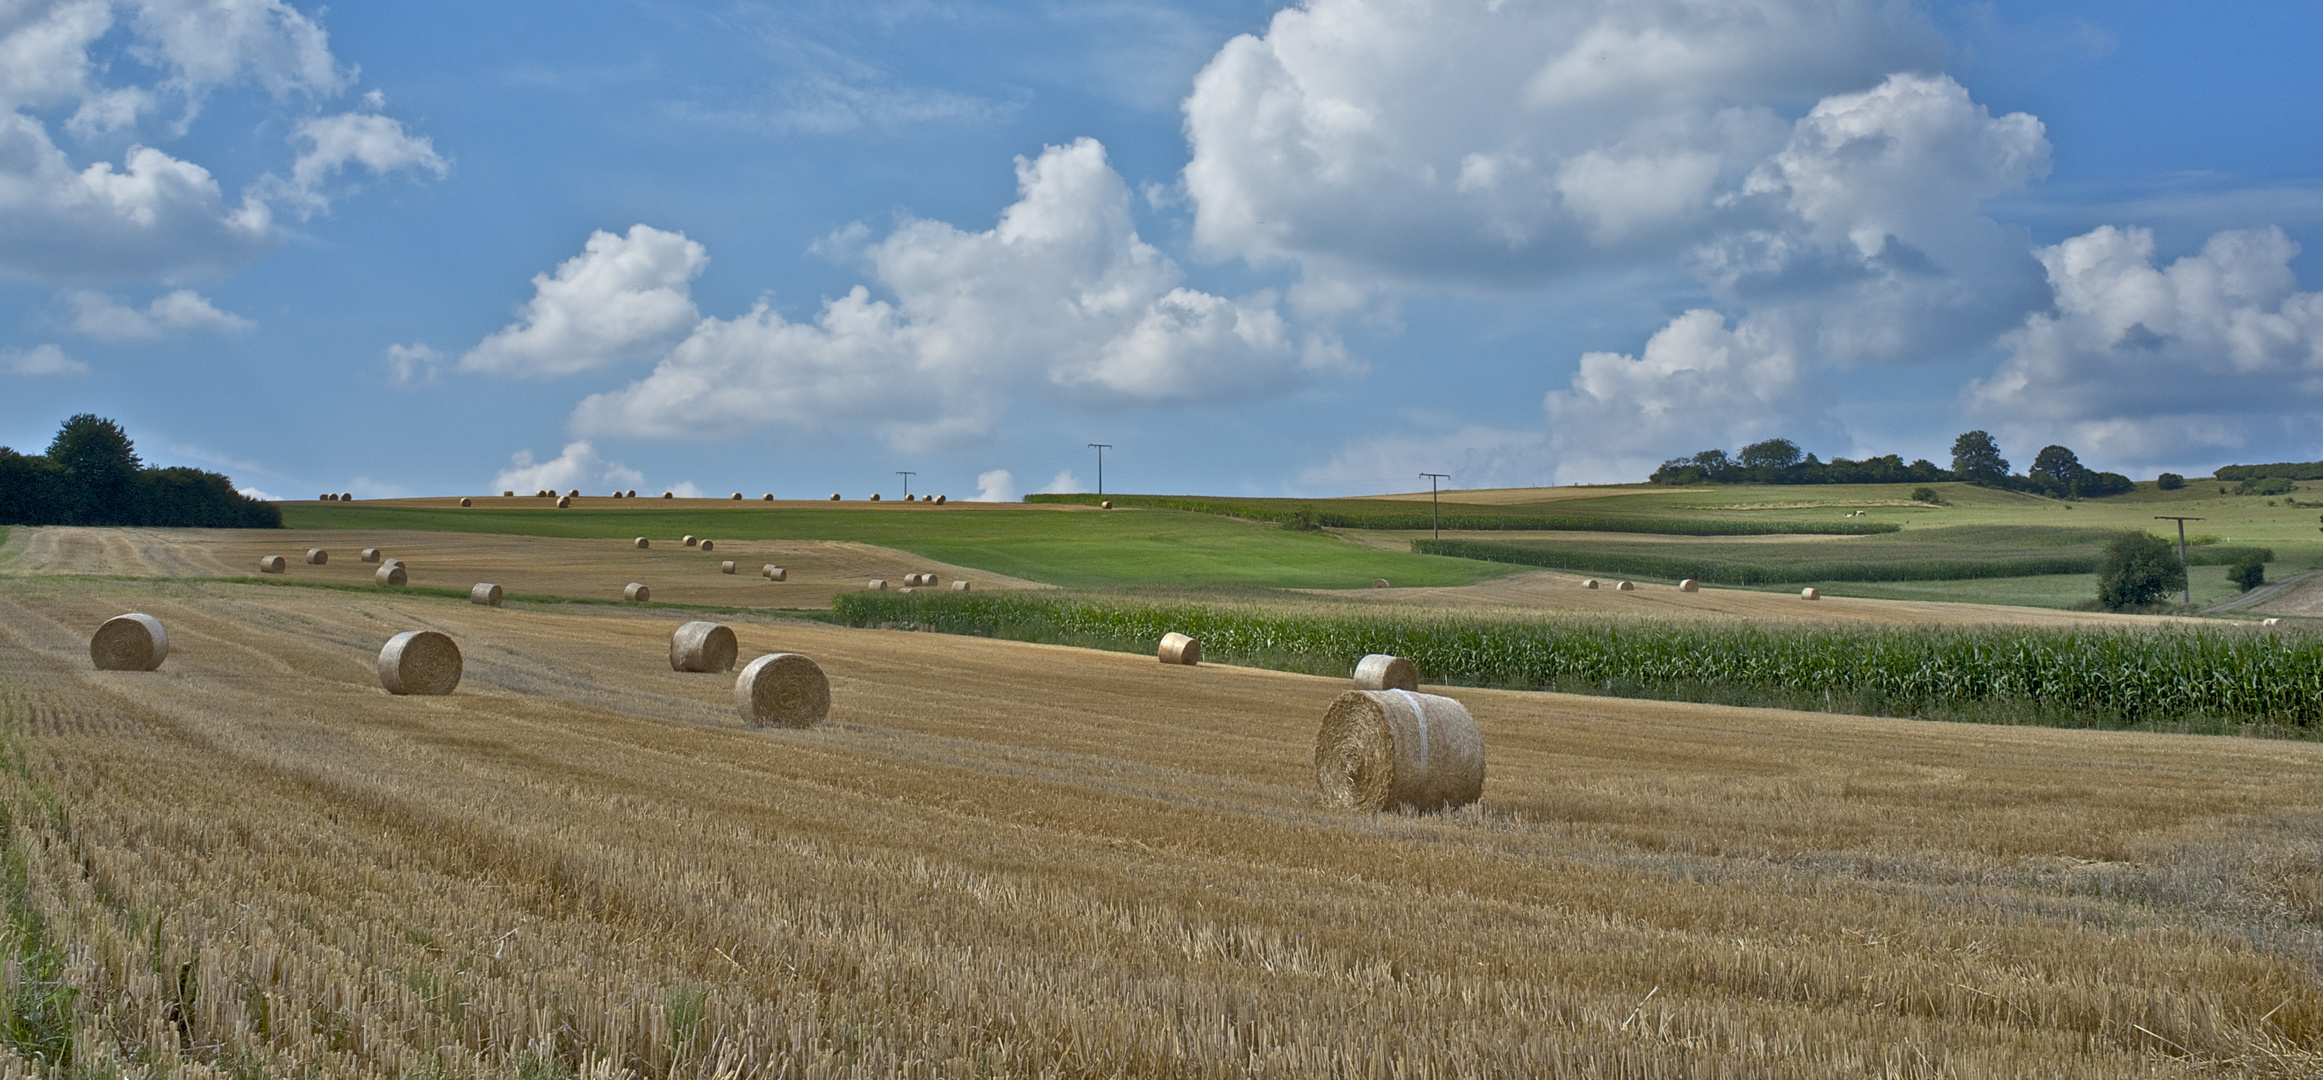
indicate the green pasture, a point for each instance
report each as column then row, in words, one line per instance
column 1075, row 549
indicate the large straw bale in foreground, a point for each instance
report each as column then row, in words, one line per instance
column 1380, row 671
column 485, row 593
column 702, row 646
column 420, row 662
column 782, row 690
column 1395, row 749
column 132, row 642
column 1177, row 648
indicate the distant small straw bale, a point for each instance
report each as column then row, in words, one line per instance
column 642, row 543
column 391, row 574
column 630, row 494
column 1380, row 671
column 1106, row 505
column 1810, row 593
column 737, row 496
column 346, row 496
column 942, row 499
column 726, row 567
column 669, row 494
column 702, row 646
column 485, row 593
column 507, row 494
column 271, row 564
column 635, row 591
column 132, row 642
column 772, row 572
column 420, row 662
column 834, row 496
column 1588, row 583
column 960, row 585
column 1689, row 585
column 1177, row 648
column 466, row 501
column 691, row 539
column 1379, row 583
column 318, row 557
column 1395, row 749
column 782, row 690
column 768, row 497
column 709, row 545
column 1625, row 587
column 874, row 496
column 564, row 502
column 369, row 555
column 877, row 585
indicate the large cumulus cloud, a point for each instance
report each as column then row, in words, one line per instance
column 1060, row 300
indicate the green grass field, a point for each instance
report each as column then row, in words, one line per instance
column 1122, row 548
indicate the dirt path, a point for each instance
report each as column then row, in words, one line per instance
column 1010, row 859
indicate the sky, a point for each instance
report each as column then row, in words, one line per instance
column 1310, row 250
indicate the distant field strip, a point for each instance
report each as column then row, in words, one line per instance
column 2191, row 679
column 1946, row 554
column 1397, row 514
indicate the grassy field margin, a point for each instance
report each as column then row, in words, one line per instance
column 1397, row 515
column 2224, row 681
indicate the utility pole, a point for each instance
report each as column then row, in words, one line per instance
column 1435, row 516
column 907, row 474
column 2182, row 551
column 1101, row 448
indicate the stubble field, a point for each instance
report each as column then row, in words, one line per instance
column 1022, row 860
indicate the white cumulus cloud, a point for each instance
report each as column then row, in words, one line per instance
column 578, row 466
column 1064, row 483
column 998, row 485
column 99, row 315
column 40, row 360
column 2140, row 363
column 618, row 299
column 330, row 144
column 1061, row 299
column 413, row 363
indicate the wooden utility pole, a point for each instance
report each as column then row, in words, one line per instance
column 1435, row 516
column 2182, row 552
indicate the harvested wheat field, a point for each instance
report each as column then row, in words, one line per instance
column 521, row 565
column 1002, row 859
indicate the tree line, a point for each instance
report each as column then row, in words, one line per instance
column 91, row 475
column 2056, row 471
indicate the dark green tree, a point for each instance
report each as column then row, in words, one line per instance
column 2170, row 481
column 1976, row 458
column 32, row 489
column 1770, row 454
column 2248, row 572
column 100, row 467
column 2059, row 470
column 2137, row 569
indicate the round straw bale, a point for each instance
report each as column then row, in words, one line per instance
column 1395, row 749
column 1380, row 671
column 317, row 557
column 691, row 539
column 131, row 642
column 877, row 584
column 707, row 545
column 630, row 494
column 960, row 586
column 1689, row 585
column 2271, row 622
column 942, row 499
column 907, row 588
column 420, row 662
column 772, row 572
column 1588, row 583
column 702, row 646
column 346, row 496
column 326, row 496
column 485, row 593
column 782, row 690
column 575, row 493
column 465, row 501
column 768, row 497
column 635, row 591
column 1177, row 648
column 642, row 543
column 271, row 564
column 1625, row 587
column 369, row 555
column 1810, row 593
column 1106, row 505
column 834, row 496
column 874, row 496
column 391, row 574
column 669, row 494
column 1379, row 583
column 726, row 567
column 507, row 494
column 564, row 502
column 737, row 496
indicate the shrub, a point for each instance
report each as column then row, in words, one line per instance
column 2170, row 481
column 2248, row 573
column 2268, row 485
column 2137, row 569
column 1927, row 495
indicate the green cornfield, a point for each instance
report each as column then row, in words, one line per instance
column 2227, row 678
column 1976, row 551
column 1397, row 514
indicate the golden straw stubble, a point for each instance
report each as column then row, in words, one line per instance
column 423, row 662
column 132, row 642
column 1394, row 749
column 702, row 646
column 782, row 690
column 1382, row 672
column 1177, row 648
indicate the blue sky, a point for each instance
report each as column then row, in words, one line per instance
column 430, row 249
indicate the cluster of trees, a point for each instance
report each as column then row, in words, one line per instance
column 2055, row 472
column 91, row 475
